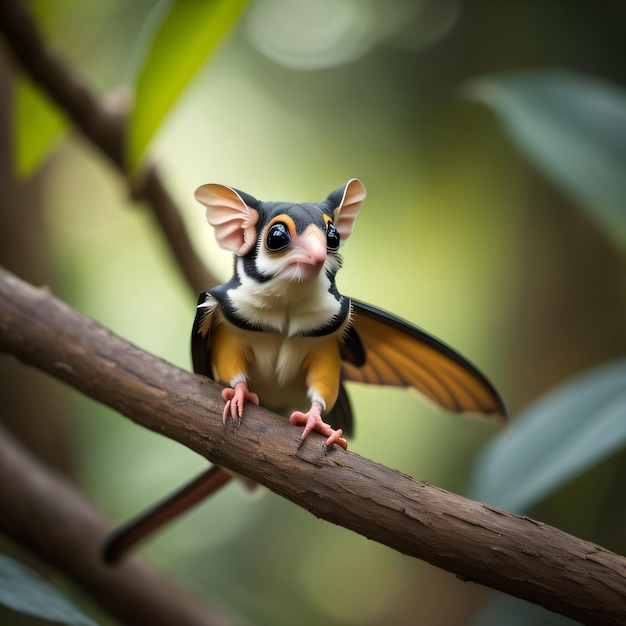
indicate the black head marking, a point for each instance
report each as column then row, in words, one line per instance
column 301, row 214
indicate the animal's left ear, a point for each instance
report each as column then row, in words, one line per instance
column 352, row 196
column 233, row 220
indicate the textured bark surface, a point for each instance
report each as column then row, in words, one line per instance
column 477, row 542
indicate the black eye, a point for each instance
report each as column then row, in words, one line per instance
column 332, row 237
column 278, row 237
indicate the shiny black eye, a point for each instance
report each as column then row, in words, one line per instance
column 278, row 237
column 332, row 237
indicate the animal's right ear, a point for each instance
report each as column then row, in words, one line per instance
column 351, row 197
column 233, row 221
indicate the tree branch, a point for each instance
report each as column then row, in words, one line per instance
column 42, row 512
column 103, row 127
column 477, row 542
column 510, row 553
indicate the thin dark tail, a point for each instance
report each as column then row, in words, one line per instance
column 121, row 540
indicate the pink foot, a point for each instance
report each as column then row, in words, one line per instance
column 235, row 399
column 312, row 421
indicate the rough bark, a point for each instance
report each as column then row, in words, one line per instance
column 477, row 542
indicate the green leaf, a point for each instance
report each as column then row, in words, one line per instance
column 573, row 128
column 39, row 127
column 23, row 590
column 555, row 440
column 190, row 32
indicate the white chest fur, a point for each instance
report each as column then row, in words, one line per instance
column 283, row 305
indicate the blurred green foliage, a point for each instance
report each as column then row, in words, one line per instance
column 184, row 35
column 574, row 129
column 566, row 432
column 39, row 128
column 479, row 243
column 25, row 591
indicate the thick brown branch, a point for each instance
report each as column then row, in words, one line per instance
column 42, row 512
column 104, row 128
column 514, row 554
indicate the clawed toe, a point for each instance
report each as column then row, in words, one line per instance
column 312, row 421
column 337, row 438
column 235, row 399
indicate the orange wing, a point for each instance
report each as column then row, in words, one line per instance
column 382, row 349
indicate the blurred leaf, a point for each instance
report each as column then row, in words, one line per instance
column 39, row 126
column 23, row 590
column 189, row 33
column 556, row 439
column 515, row 612
column 573, row 128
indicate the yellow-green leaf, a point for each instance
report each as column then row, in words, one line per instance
column 189, row 33
column 39, row 127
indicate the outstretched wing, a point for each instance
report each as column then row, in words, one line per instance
column 382, row 349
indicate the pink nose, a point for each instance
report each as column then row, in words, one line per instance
column 313, row 245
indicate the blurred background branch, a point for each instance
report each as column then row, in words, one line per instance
column 105, row 127
column 51, row 520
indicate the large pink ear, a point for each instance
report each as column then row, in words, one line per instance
column 232, row 219
column 353, row 195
